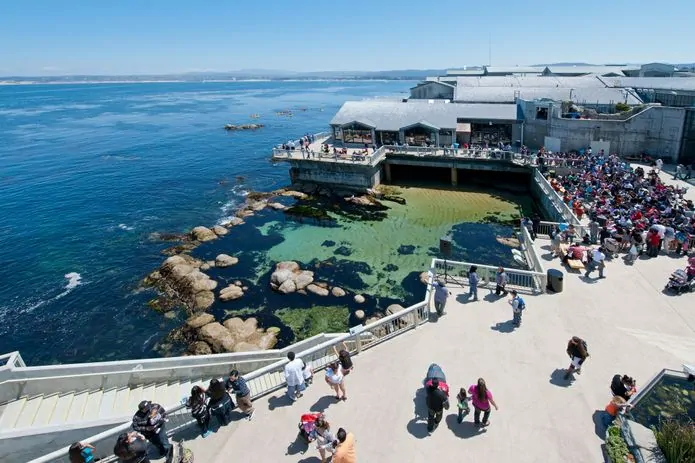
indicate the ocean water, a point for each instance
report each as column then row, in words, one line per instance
column 89, row 172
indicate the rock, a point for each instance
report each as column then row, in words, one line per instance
column 219, row 230
column 224, row 260
column 362, row 200
column 241, row 329
column 295, row 194
column 288, row 277
column 217, row 336
column 273, row 329
column 288, row 286
column 244, row 213
column 154, row 276
column 394, row 308
column 172, row 262
column 211, row 263
column 316, row 289
column 267, row 340
column 205, row 266
column 303, row 279
column 359, row 298
column 231, row 293
column 244, row 346
column 277, row 206
column 200, row 320
column 359, row 314
column 290, row 265
column 424, row 278
column 203, row 300
column 180, row 271
column 257, row 205
column 170, row 314
column 233, row 127
column 203, row 234
column 338, row 292
column 232, row 222
column 197, row 281
column 238, row 283
column 199, row 348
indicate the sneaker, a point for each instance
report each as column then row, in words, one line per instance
column 206, row 434
column 485, row 423
column 250, row 415
column 300, row 395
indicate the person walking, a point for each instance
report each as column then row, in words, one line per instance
column 441, row 293
column 345, row 449
column 462, row 400
column 325, row 440
column 437, row 401
column 473, row 280
column 198, row 403
column 336, row 380
column 220, row 404
column 237, row 384
column 615, row 406
column 500, row 282
column 535, row 226
column 594, row 228
column 518, row 306
column 578, row 353
column 482, row 399
column 294, row 376
column 598, row 261
column 150, row 421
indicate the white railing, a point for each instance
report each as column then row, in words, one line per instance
column 557, row 201
column 532, row 257
column 521, row 280
column 271, row 378
column 546, row 228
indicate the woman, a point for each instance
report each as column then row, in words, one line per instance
column 220, row 402
column 81, row 452
column 623, row 386
column 325, row 440
column 473, row 280
column 578, row 353
column 501, row 282
column 198, row 403
column 343, row 354
column 482, row 399
column 336, row 380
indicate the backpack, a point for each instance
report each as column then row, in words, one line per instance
column 522, row 304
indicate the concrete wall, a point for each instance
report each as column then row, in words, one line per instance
column 432, row 91
column 335, row 173
column 483, row 165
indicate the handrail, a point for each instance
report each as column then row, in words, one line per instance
column 557, row 201
column 523, row 280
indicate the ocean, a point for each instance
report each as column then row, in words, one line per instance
column 88, row 172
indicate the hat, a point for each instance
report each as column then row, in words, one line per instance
column 144, row 405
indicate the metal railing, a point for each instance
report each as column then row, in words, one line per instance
column 271, row 378
column 557, row 201
column 521, row 280
column 532, row 258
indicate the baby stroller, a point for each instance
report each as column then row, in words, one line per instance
column 678, row 282
column 435, row 372
column 611, row 246
column 307, row 425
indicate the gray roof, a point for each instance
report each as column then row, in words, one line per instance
column 531, row 81
column 580, row 95
column 657, row 83
column 513, row 70
column 394, row 115
column 465, row 72
column 600, row 70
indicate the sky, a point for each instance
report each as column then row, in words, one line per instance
column 50, row 37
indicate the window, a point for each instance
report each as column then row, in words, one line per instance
column 357, row 133
column 541, row 113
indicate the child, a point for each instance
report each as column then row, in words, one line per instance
column 615, row 406
column 462, row 401
column 308, row 374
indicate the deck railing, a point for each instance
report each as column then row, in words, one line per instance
column 521, row 280
column 555, row 198
column 532, row 258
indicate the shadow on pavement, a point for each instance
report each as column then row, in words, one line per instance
column 492, row 297
column 279, row 401
column 310, row 460
column 417, row 427
column 504, row 327
column 463, row 298
column 599, row 429
column 323, row 403
column 557, row 378
column 463, row 430
column 299, row 446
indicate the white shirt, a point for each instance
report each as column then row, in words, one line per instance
column 598, row 256
column 661, row 229
column 334, row 376
column 293, row 372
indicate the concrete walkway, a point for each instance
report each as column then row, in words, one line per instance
column 629, row 324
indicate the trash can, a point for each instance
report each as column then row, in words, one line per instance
column 555, row 278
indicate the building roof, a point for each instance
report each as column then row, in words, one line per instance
column 465, row 72
column 395, row 115
column 656, row 83
column 513, row 70
column 531, row 81
column 583, row 70
column 580, row 95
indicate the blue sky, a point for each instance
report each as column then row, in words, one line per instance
column 52, row 37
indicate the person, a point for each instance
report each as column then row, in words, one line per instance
column 237, row 384
column 658, row 165
column 501, row 282
column 623, row 386
column 679, row 172
column 535, row 226
column 198, row 403
column 325, row 440
column 81, row 452
column 345, row 450
column 437, row 401
column 598, row 261
column 689, row 171
column 150, row 421
column 294, row 376
column 131, row 447
column 308, row 375
column 336, row 380
column 482, row 399
column 220, row 404
column 518, row 306
column 473, row 281
column 578, row 353
column 441, row 293
column 615, row 406
column 343, row 354
column 594, row 228
column 462, row 400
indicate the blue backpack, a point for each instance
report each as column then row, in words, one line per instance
column 522, row 304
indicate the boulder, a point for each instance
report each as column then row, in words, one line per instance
column 203, row 234
column 303, row 279
column 224, row 260
column 200, row 320
column 359, row 314
column 180, row 271
column 338, row 292
column 257, row 205
column 217, row 336
column 203, row 300
column 266, row 340
column 205, row 267
column 288, row 286
column 362, row 200
column 244, row 346
column 244, row 213
column 219, row 230
column 359, row 298
column 199, row 348
column 241, row 329
column 277, row 206
column 394, row 308
column 316, row 289
column 290, row 265
column 197, row 281
column 172, row 262
column 295, row 194
column 232, row 222
column 231, row 293
column 278, row 277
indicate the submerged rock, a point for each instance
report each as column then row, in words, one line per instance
column 219, row 230
column 200, row 320
column 359, row 299
column 224, row 260
column 232, row 222
column 316, row 289
column 359, row 314
column 338, row 292
column 295, row 194
column 201, row 233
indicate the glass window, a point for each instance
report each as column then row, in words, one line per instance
column 357, row 133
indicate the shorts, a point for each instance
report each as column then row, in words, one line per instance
column 576, row 362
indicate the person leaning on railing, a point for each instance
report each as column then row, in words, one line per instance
column 150, row 421
column 237, row 384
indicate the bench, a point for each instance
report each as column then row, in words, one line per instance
column 575, row 264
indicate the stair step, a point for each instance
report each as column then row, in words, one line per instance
column 79, row 402
column 46, row 409
column 134, row 398
column 171, row 396
column 26, row 418
column 121, row 406
column 91, row 408
column 60, row 412
column 108, row 398
column 185, row 389
column 148, row 393
column 11, row 413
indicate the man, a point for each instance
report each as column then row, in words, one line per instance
column 440, row 295
column 518, row 305
column 598, row 261
column 437, row 401
column 294, row 376
column 237, row 385
column 593, row 230
column 535, row 226
column 679, row 172
column 150, row 421
column 659, row 164
column 501, row 282
column 345, row 450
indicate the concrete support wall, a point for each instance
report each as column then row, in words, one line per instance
column 454, row 176
column 549, row 210
column 387, row 172
column 350, row 175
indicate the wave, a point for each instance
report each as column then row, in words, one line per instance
column 74, row 280
column 230, row 206
column 125, row 227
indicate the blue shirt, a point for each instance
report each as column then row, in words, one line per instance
column 440, row 293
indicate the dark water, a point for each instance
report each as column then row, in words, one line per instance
column 88, row 172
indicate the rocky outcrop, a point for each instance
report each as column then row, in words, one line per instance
column 233, row 127
column 394, row 308
column 203, row 234
column 234, row 335
column 198, row 321
column 359, row 299
column 217, row 337
column 231, row 293
column 318, row 290
column 277, row 206
column 232, row 222
column 295, row 194
column 203, row 300
column 199, row 348
column 288, row 277
column 338, row 292
column 224, row 260
column 181, row 280
column 219, row 230
column 362, row 200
